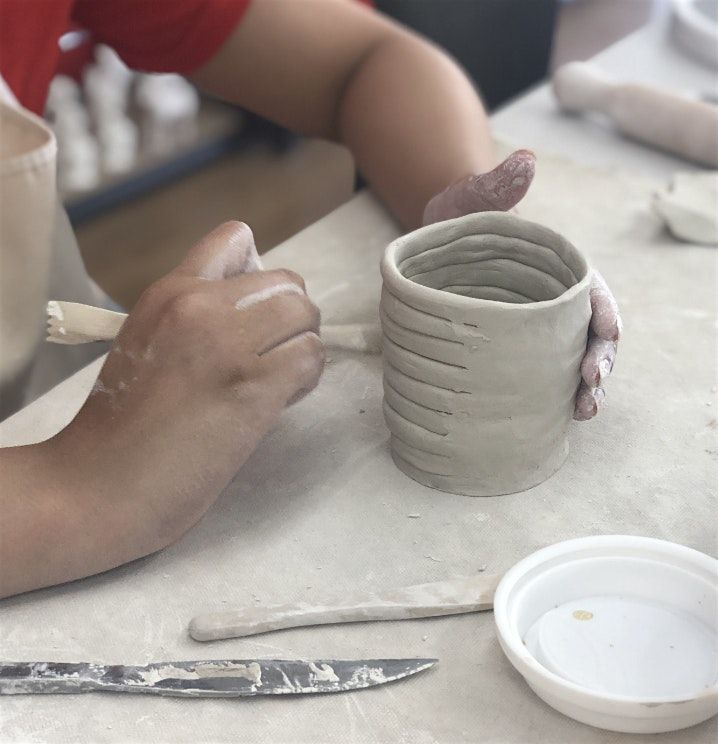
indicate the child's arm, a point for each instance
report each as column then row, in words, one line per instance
column 416, row 127
column 336, row 69
column 201, row 370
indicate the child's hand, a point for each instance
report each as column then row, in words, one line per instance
column 500, row 190
column 201, row 370
column 496, row 191
column 603, row 335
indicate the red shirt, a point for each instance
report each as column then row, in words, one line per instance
column 151, row 35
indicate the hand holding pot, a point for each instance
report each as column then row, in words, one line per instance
column 496, row 191
column 603, row 335
column 500, row 190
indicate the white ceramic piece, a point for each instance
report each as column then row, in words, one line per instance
column 78, row 161
column 113, row 67
column 118, row 138
column 617, row 632
column 63, row 90
column 485, row 322
column 169, row 107
column 105, row 97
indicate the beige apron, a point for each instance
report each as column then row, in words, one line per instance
column 39, row 258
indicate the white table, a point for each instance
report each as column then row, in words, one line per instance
column 647, row 56
column 320, row 509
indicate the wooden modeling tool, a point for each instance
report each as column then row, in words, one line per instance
column 452, row 597
column 73, row 323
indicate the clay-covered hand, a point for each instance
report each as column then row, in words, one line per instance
column 496, row 191
column 500, row 190
column 200, row 371
column 603, row 335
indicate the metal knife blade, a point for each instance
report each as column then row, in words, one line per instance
column 224, row 678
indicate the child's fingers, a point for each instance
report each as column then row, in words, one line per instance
column 588, row 401
column 280, row 319
column 294, row 367
column 227, row 251
column 605, row 318
column 267, row 309
column 598, row 361
column 498, row 190
column 503, row 188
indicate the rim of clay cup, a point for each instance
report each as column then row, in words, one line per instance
column 391, row 274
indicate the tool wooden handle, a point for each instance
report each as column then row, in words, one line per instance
column 473, row 594
column 72, row 323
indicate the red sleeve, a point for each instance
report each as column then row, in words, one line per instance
column 161, row 35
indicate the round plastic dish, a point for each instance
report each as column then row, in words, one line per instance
column 617, row 632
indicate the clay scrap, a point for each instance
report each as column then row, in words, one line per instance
column 689, row 207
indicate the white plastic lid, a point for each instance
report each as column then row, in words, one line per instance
column 619, row 632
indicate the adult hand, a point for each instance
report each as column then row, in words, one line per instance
column 500, row 190
column 200, row 371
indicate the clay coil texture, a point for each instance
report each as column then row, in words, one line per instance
column 485, row 321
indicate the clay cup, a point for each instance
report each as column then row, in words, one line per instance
column 485, row 322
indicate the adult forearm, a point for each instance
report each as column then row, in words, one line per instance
column 414, row 123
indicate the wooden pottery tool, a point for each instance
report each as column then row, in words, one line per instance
column 244, row 678
column 452, row 597
column 72, row 323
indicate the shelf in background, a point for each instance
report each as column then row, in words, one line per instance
column 220, row 130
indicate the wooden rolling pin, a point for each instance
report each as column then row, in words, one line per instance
column 683, row 126
column 73, row 323
column 452, row 597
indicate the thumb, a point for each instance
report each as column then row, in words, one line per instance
column 500, row 189
column 227, row 251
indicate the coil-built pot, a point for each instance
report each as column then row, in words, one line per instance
column 485, row 321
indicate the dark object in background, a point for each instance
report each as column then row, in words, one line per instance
column 505, row 45
column 277, row 137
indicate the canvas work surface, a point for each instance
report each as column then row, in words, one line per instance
column 320, row 510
